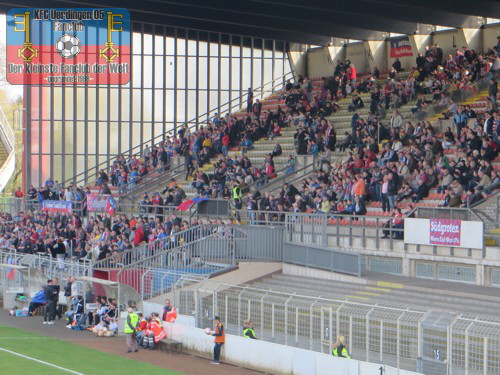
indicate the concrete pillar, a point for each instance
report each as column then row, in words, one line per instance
column 407, row 267
column 480, row 274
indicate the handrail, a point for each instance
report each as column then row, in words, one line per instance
column 7, row 131
column 278, row 179
column 7, row 138
column 142, row 250
column 154, row 140
column 133, row 186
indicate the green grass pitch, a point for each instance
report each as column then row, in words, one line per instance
column 75, row 358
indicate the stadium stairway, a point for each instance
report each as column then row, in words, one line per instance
column 489, row 240
column 3, row 154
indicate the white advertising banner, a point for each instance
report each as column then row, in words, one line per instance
column 444, row 232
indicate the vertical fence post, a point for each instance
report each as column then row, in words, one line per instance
column 262, row 315
column 350, row 340
column 381, row 340
column 398, row 339
column 466, row 347
column 296, row 326
column 226, row 311
column 367, row 334
column 485, row 356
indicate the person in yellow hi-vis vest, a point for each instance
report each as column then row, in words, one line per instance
column 339, row 348
column 130, row 330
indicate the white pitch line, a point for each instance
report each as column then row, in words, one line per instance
column 39, row 361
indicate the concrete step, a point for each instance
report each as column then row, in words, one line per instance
column 482, row 305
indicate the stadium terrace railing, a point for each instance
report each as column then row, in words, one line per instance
column 156, row 282
column 15, row 206
column 345, row 231
column 50, row 267
column 156, row 247
column 228, row 107
column 459, row 94
column 213, row 252
column 283, row 176
column 432, row 342
column 152, row 178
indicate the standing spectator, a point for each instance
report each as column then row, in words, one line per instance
column 147, row 155
column 219, row 335
column 18, row 193
column 397, row 65
column 460, row 121
column 396, row 119
column 130, row 330
column 257, row 108
column 57, row 309
column 60, row 251
column 50, row 303
column 492, row 92
column 249, row 100
column 67, row 291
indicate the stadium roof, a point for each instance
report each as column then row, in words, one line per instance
column 304, row 21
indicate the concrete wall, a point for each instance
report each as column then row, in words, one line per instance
column 489, row 35
column 473, row 38
column 377, row 54
column 320, row 63
column 449, row 41
column 298, row 61
column 358, row 55
column 273, row 358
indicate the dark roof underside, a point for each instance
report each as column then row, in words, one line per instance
column 303, row 21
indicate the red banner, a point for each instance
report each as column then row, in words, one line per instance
column 401, row 47
column 445, row 232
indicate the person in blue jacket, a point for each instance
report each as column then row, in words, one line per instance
column 37, row 301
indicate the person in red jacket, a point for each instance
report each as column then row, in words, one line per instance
column 139, row 235
column 169, row 312
column 153, row 334
column 18, row 193
column 225, row 144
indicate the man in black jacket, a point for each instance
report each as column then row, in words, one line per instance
column 50, row 305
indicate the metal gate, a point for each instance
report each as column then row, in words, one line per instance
column 434, row 342
column 257, row 242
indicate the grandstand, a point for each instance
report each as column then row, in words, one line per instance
column 320, row 169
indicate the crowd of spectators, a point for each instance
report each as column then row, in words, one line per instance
column 390, row 158
column 412, row 159
column 65, row 236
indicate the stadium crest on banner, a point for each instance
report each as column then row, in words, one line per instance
column 54, row 46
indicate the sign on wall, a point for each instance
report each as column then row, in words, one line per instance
column 444, row 232
column 68, row 46
column 401, row 47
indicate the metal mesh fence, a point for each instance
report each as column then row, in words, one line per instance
column 433, row 342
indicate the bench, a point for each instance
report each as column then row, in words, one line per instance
column 170, row 345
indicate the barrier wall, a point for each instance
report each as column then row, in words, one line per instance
column 443, row 232
column 274, row 358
